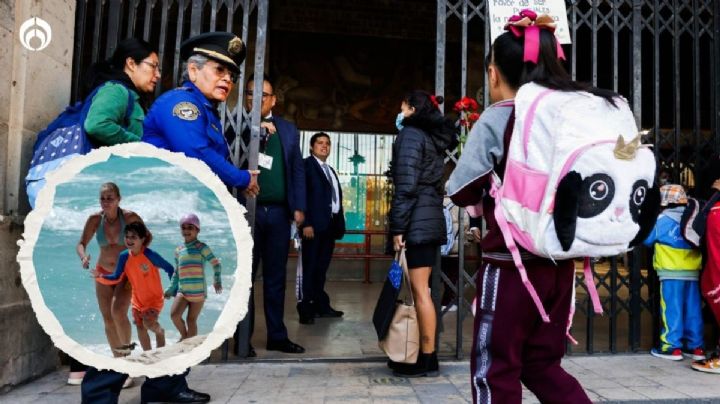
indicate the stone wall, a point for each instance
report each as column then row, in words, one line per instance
column 35, row 88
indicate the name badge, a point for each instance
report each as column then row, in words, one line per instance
column 265, row 161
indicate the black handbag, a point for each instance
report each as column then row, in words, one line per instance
column 385, row 307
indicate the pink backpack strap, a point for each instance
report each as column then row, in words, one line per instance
column 514, row 251
column 530, row 117
column 592, row 290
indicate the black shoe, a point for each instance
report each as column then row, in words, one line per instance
column 329, row 312
column 187, row 396
column 426, row 365
column 251, row 352
column 285, row 345
column 199, row 394
column 393, row 365
column 307, row 320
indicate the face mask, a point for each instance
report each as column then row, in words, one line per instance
column 398, row 121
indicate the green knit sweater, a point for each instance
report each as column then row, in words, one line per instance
column 105, row 122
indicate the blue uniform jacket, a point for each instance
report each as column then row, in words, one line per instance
column 184, row 120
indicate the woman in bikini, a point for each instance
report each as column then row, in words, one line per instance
column 113, row 296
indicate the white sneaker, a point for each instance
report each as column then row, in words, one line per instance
column 75, row 378
column 452, row 307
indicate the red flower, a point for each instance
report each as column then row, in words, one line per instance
column 463, row 122
column 473, row 104
column 458, row 106
column 466, row 104
column 473, row 117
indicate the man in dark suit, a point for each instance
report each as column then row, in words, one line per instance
column 281, row 201
column 324, row 223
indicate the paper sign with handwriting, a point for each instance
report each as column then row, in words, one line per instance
column 501, row 10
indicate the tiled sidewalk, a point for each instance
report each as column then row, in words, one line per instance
column 618, row 378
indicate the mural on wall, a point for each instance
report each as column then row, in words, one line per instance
column 343, row 83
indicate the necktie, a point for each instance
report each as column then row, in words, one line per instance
column 329, row 177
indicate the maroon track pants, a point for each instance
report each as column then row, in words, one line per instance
column 511, row 343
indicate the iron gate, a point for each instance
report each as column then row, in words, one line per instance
column 662, row 56
column 636, row 48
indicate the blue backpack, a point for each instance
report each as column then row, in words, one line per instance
column 62, row 140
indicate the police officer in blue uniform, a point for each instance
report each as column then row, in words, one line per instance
column 186, row 119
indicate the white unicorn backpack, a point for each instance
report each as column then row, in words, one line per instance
column 577, row 183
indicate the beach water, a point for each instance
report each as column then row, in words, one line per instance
column 160, row 193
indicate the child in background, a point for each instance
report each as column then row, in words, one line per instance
column 678, row 266
column 188, row 285
column 140, row 265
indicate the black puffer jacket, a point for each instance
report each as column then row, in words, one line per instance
column 417, row 170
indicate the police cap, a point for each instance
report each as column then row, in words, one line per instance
column 224, row 47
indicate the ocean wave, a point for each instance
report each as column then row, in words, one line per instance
column 68, row 218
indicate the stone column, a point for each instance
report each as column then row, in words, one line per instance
column 35, row 88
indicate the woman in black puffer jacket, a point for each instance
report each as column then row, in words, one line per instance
column 416, row 215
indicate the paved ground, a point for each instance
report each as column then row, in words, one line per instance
column 618, row 378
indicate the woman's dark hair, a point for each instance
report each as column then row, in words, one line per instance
column 137, row 228
column 507, row 54
column 113, row 67
column 422, row 102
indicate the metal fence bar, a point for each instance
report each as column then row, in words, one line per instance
column 636, row 56
column 656, row 91
column 113, row 26
column 79, row 48
column 132, row 18
column 676, row 81
column 96, row 31
column 243, row 329
column 612, row 317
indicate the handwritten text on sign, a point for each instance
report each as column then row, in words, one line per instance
column 501, row 10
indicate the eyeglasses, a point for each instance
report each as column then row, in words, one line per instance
column 222, row 70
column 155, row 66
column 264, row 94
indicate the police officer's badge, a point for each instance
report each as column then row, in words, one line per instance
column 235, row 46
column 186, row 111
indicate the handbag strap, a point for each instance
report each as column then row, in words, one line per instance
column 400, row 256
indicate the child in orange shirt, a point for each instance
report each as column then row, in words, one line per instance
column 140, row 265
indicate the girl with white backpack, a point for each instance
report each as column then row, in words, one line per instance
column 549, row 192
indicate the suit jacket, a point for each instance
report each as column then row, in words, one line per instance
column 319, row 200
column 294, row 167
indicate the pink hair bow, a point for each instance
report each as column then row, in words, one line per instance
column 529, row 24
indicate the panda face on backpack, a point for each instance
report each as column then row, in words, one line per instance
column 604, row 210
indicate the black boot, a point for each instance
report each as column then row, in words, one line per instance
column 393, row 365
column 426, row 365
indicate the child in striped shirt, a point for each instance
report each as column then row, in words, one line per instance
column 188, row 284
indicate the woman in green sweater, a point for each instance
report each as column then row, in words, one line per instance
column 133, row 70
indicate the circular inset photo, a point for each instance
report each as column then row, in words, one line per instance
column 137, row 259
